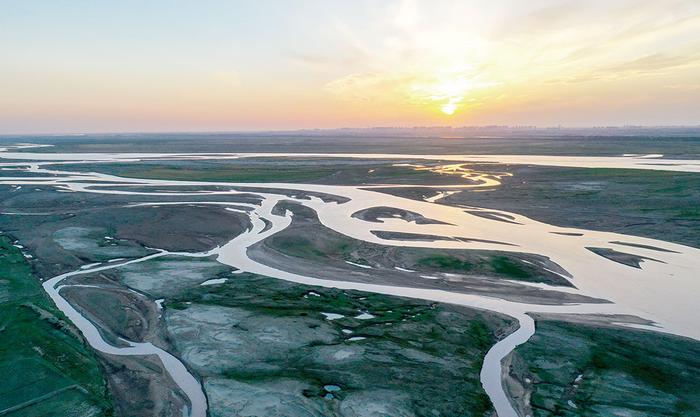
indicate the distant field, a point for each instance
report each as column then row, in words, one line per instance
column 323, row 171
column 654, row 204
column 547, row 143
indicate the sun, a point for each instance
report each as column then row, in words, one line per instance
column 449, row 109
column 451, row 104
column 448, row 90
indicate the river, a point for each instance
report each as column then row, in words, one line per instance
column 643, row 292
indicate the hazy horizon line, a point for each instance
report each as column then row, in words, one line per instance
column 492, row 127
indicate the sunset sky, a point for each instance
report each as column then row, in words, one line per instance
column 95, row 66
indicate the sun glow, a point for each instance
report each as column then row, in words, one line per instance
column 449, row 109
column 450, row 90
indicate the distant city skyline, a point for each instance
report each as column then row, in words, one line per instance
column 79, row 66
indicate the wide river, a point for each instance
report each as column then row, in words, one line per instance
column 663, row 292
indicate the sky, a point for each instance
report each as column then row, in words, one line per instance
column 94, row 66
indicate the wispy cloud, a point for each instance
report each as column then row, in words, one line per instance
column 416, row 60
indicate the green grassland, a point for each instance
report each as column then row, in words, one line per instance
column 499, row 265
column 47, row 369
column 288, row 170
column 325, row 245
column 622, row 372
column 247, row 174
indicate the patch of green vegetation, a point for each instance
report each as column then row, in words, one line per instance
column 510, row 267
column 71, row 402
column 238, row 174
column 40, row 353
column 299, row 247
column 449, row 263
column 484, row 264
column 689, row 213
column 425, row 356
column 322, row 247
column 623, row 372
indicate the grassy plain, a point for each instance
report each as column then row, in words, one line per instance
column 584, row 370
column 47, row 369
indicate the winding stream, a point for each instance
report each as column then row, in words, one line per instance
column 189, row 385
